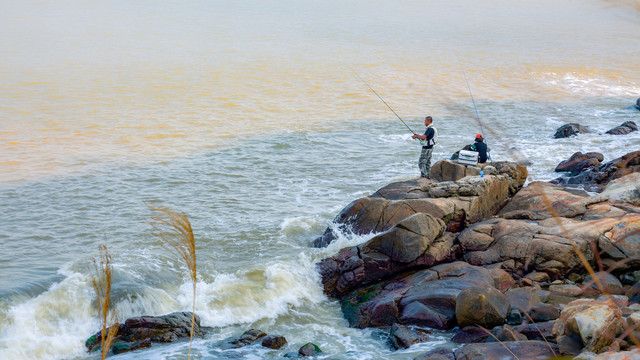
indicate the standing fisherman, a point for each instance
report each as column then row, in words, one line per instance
column 427, row 140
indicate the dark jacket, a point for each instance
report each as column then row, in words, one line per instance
column 481, row 148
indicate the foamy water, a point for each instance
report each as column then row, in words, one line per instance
column 250, row 118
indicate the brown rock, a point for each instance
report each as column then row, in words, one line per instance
column 524, row 350
column 485, row 307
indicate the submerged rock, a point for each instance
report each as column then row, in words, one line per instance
column 625, row 128
column 140, row 332
column 402, row 336
column 571, row 129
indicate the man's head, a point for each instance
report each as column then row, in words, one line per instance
column 428, row 120
column 479, row 137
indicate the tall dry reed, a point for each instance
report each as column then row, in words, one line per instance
column 102, row 286
column 174, row 229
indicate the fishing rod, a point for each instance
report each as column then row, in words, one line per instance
column 474, row 102
column 477, row 116
column 379, row 97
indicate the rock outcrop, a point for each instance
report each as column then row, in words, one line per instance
column 624, row 129
column 142, row 331
column 456, row 203
column 579, row 162
column 596, row 178
column 571, row 129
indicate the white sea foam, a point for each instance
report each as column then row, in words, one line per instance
column 594, row 86
column 254, row 293
column 53, row 325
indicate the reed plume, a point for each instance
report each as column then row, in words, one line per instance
column 102, row 286
column 174, row 229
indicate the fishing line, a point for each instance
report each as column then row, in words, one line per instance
column 379, row 97
column 474, row 102
column 477, row 116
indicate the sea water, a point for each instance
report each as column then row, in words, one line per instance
column 251, row 118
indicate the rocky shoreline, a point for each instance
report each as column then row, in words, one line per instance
column 509, row 266
column 506, row 264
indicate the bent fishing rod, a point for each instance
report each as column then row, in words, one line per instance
column 379, row 97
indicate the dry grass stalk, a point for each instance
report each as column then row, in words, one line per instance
column 102, row 286
column 539, row 331
column 174, row 229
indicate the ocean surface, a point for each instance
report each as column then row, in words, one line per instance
column 251, row 118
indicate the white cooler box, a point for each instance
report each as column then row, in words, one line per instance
column 468, row 157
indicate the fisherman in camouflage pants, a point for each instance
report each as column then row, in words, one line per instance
column 428, row 140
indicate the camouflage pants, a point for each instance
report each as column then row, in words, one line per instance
column 424, row 163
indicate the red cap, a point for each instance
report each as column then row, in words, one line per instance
column 478, row 136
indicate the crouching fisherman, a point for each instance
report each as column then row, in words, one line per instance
column 428, row 140
column 481, row 148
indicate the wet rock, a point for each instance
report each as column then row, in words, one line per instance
column 579, row 161
column 521, row 349
column 437, row 354
column 625, row 128
column 485, row 307
column 141, row 331
column 506, row 333
column 402, row 336
column 470, row 334
column 571, row 129
column 537, row 330
column 596, row 179
column 247, row 338
column 426, row 298
column 274, row 341
column 309, row 349
column 119, row 347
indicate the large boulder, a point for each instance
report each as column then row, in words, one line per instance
column 625, row 128
column 426, row 298
column 418, row 241
column 467, row 200
column 141, row 331
column 571, row 129
column 579, row 161
column 486, row 307
column 595, row 323
column 541, row 200
column 624, row 189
